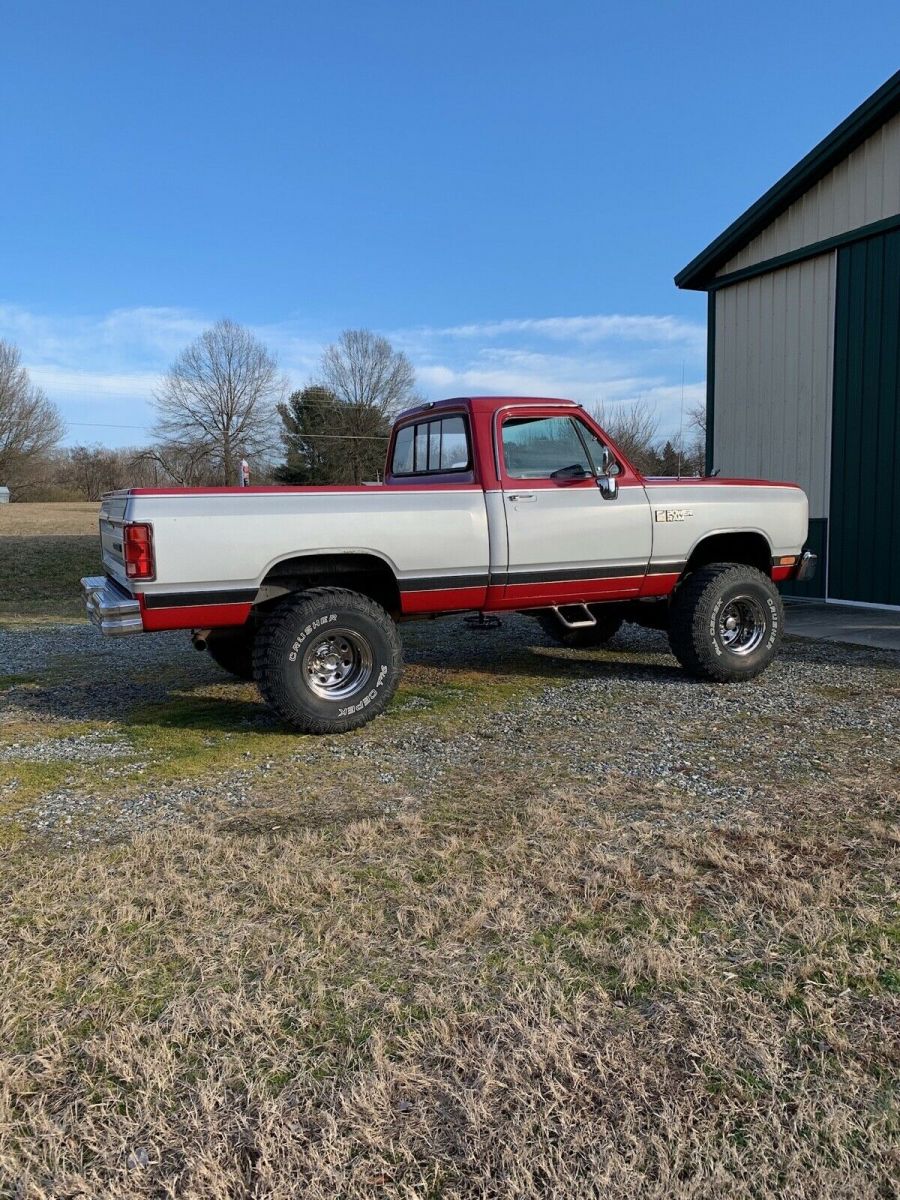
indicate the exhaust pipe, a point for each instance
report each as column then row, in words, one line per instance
column 200, row 638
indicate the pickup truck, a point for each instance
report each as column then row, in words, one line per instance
column 489, row 504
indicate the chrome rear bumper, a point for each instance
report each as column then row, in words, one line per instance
column 807, row 566
column 113, row 612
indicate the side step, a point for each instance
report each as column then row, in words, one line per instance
column 588, row 620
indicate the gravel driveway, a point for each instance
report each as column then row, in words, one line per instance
column 566, row 719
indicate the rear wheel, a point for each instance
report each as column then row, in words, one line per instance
column 327, row 660
column 232, row 650
column 608, row 625
column 726, row 622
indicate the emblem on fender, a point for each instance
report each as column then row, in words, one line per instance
column 673, row 514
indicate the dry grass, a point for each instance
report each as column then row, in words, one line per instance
column 517, row 981
column 44, row 550
column 529, row 996
column 78, row 518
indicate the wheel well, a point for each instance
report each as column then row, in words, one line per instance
column 752, row 549
column 364, row 573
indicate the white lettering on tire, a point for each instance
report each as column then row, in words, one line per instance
column 773, row 613
column 713, row 625
column 306, row 631
column 355, row 708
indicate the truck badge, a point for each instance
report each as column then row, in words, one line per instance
column 673, row 514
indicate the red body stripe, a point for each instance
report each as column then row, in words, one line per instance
column 193, row 616
column 533, row 595
column 713, row 481
column 524, row 595
column 659, row 585
column 443, row 600
column 286, row 490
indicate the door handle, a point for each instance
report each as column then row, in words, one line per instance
column 518, row 497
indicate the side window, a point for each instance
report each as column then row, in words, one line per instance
column 599, row 451
column 454, row 445
column 542, row 447
column 403, row 452
column 433, row 447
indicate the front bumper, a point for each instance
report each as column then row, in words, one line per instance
column 807, row 567
column 112, row 610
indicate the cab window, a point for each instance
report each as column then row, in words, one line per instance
column 436, row 447
column 550, row 447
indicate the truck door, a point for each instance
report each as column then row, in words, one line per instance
column 567, row 541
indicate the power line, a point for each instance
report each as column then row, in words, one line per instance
column 346, row 437
column 106, row 425
column 341, row 437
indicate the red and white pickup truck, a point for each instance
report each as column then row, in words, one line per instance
column 489, row 504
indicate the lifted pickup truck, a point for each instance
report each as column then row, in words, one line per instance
column 489, row 504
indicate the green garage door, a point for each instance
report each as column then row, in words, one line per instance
column 864, row 522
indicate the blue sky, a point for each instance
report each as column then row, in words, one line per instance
column 504, row 189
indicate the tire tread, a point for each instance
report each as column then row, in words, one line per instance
column 270, row 683
column 686, row 634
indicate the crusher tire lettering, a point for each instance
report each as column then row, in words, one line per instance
column 727, row 622
column 327, row 660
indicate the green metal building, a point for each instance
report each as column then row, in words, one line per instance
column 803, row 375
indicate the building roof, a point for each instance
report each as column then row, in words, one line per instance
column 861, row 124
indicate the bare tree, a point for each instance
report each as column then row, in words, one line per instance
column 93, row 470
column 184, row 464
column 30, row 425
column 218, row 399
column 370, row 381
column 697, row 419
column 633, row 426
column 365, row 371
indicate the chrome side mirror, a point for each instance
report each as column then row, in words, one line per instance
column 606, row 480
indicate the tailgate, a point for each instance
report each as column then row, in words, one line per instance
column 112, row 519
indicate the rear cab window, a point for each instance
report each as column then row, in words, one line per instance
column 433, row 446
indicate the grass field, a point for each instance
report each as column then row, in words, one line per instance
column 44, row 550
column 485, row 947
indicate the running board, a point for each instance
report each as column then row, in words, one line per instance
column 589, row 620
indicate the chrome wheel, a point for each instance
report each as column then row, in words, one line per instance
column 742, row 625
column 337, row 664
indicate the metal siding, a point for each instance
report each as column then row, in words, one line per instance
column 817, row 542
column 864, row 188
column 772, row 390
column 864, row 531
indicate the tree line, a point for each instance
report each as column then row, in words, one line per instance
column 224, row 400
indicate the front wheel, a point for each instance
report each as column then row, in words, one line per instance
column 327, row 660
column 726, row 622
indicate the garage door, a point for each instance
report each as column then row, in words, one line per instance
column 864, row 537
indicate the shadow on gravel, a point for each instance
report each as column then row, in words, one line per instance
column 189, row 692
column 187, row 699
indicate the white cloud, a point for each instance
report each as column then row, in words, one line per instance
column 598, row 328
column 102, row 370
column 65, row 381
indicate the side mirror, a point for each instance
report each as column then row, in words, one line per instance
column 608, row 465
column 606, row 480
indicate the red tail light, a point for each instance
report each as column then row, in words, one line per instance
column 138, row 551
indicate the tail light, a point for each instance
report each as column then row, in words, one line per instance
column 137, row 545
